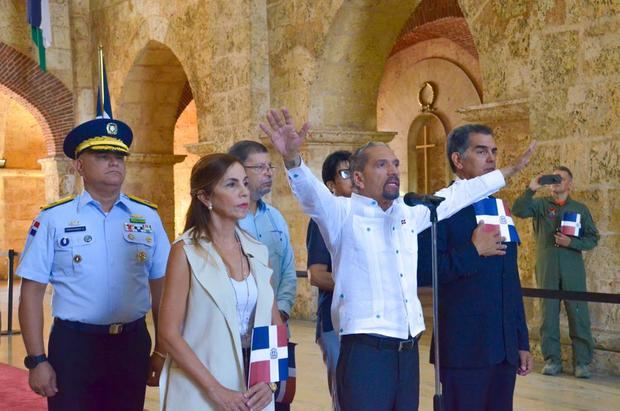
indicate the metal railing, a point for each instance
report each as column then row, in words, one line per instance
column 590, row 297
column 11, row 254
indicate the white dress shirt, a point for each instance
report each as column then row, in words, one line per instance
column 375, row 252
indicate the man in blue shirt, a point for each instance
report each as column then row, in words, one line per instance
column 267, row 224
column 104, row 253
column 337, row 177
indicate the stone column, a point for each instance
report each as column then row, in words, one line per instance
column 151, row 176
column 319, row 144
column 61, row 179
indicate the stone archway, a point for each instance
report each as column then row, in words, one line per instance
column 185, row 135
column 49, row 101
column 36, row 111
column 149, row 102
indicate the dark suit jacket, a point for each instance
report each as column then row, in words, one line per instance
column 481, row 315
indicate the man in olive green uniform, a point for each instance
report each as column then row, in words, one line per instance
column 559, row 266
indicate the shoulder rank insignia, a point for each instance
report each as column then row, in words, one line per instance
column 57, row 203
column 142, row 201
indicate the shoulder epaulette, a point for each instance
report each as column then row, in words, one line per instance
column 57, row 203
column 142, row 201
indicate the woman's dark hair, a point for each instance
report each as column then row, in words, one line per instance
column 206, row 173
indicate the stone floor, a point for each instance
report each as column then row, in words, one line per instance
column 534, row 392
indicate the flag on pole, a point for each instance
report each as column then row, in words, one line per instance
column 494, row 212
column 571, row 224
column 104, row 107
column 41, row 27
column 268, row 355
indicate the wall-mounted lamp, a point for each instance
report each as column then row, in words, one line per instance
column 2, row 162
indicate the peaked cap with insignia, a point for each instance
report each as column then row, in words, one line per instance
column 103, row 133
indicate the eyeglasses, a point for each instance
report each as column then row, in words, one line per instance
column 261, row 168
column 345, row 173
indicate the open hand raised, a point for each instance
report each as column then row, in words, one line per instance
column 281, row 130
column 520, row 163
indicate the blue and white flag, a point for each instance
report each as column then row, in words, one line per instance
column 41, row 26
column 571, row 224
column 104, row 107
column 269, row 354
column 494, row 212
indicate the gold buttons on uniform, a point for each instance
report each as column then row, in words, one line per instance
column 141, row 256
column 131, row 236
column 88, row 238
column 149, row 239
column 77, row 258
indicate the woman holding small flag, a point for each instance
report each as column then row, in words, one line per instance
column 216, row 292
column 564, row 228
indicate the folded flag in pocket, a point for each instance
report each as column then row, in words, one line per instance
column 571, row 224
column 494, row 212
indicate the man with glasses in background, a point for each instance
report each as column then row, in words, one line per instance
column 267, row 224
column 337, row 177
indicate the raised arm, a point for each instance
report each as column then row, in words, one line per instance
column 525, row 205
column 466, row 192
column 313, row 196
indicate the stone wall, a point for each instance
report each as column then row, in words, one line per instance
column 540, row 69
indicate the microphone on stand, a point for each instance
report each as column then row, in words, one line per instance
column 432, row 202
column 414, row 199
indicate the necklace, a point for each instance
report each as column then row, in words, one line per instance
column 244, row 316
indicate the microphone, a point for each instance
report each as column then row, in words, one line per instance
column 413, row 199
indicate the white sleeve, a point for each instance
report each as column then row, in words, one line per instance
column 459, row 195
column 327, row 210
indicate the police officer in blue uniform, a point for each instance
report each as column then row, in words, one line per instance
column 104, row 254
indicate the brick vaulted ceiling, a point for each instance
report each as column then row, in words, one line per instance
column 436, row 19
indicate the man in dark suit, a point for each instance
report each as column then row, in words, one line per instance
column 483, row 337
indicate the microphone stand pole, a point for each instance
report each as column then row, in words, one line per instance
column 438, row 397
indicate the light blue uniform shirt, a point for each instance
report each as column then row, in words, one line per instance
column 269, row 227
column 99, row 265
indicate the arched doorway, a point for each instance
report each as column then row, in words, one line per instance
column 151, row 96
column 36, row 112
column 185, row 133
column 434, row 55
column 22, row 185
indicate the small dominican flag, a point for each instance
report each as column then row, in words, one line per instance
column 494, row 212
column 34, row 228
column 41, row 26
column 571, row 224
column 269, row 354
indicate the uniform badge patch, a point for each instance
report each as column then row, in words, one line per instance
column 75, row 229
column 138, row 228
column 552, row 212
column 111, row 128
column 64, row 241
column 34, row 228
column 137, row 219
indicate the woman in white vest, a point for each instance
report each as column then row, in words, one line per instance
column 217, row 289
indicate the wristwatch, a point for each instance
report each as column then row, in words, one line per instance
column 273, row 387
column 31, row 361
